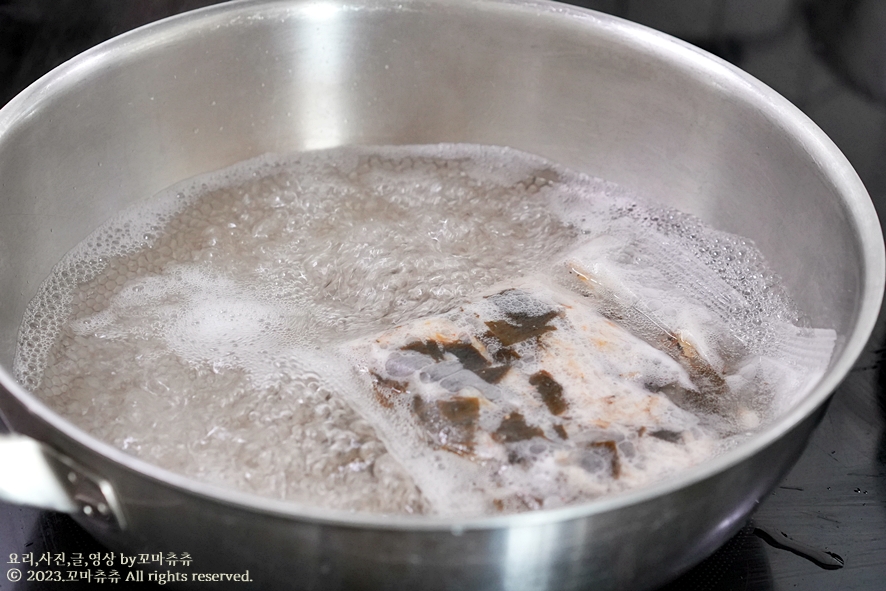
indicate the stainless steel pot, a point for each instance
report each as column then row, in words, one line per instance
column 201, row 91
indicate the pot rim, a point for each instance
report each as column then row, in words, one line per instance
column 715, row 71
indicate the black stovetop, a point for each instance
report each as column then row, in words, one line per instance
column 814, row 52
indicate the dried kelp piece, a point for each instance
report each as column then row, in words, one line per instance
column 460, row 410
column 386, row 390
column 713, row 392
column 691, row 399
column 598, row 457
column 550, row 390
column 471, row 359
column 512, row 331
column 608, row 448
column 503, row 355
column 450, row 424
column 493, row 374
column 514, row 428
column 430, row 348
column 667, row 435
column 523, row 319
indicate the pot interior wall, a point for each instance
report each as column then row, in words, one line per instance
column 141, row 113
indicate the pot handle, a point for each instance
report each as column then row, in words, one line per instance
column 33, row 473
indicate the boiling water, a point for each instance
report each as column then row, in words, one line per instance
column 444, row 329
